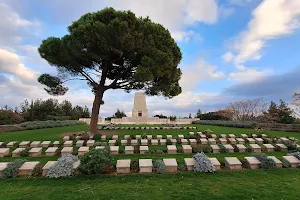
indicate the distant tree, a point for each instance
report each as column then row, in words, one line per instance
column 281, row 113
column 119, row 114
column 161, row 116
column 10, row 117
column 296, row 104
column 272, row 114
column 198, row 114
column 173, row 118
column 113, row 47
column 190, row 116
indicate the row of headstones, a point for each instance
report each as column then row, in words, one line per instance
column 171, row 149
column 147, row 128
column 146, row 165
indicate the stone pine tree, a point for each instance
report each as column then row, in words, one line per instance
column 112, row 49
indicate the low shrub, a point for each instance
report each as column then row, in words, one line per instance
column 265, row 162
column 223, row 149
column 292, row 146
column 196, row 148
column 235, row 124
column 11, row 171
column 24, row 152
column 94, row 161
column 159, row 166
column 37, row 171
column 97, row 137
column 203, row 163
column 63, row 167
column 182, row 167
column 169, row 142
column 134, row 166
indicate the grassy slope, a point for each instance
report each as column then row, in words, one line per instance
column 246, row 184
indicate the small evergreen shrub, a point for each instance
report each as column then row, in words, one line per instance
column 134, row 166
column 159, row 166
column 37, row 171
column 265, row 162
column 223, row 149
column 169, row 142
column 203, row 163
column 24, row 153
column 63, row 167
column 11, row 171
column 182, row 167
column 94, row 161
column 97, row 137
column 292, row 146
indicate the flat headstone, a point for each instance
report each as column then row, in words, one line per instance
column 215, row 163
column 284, row 139
column 264, row 135
column 65, row 138
column 3, row 166
column 223, row 135
column 202, row 136
column 79, row 143
column 187, row 148
column 250, row 140
column 254, row 135
column 134, row 142
column 56, row 143
column 193, row 141
column 191, row 133
column 203, row 141
column 67, row 150
column 35, row 144
column 124, row 142
column 252, row 162
column 24, row 144
column 184, row 141
column 123, row 166
column 149, row 137
column 231, row 135
column 293, row 161
column 268, row 148
column 240, row 140
column 90, row 143
column 4, row 152
column 11, row 144
column 114, row 150
column 169, row 136
column 215, row 148
column 282, row 147
column 145, row 165
column 51, row 151
column 159, row 137
column 143, row 149
column 27, row 168
column 223, row 140
column 259, row 140
column 16, row 152
column 83, row 150
column 47, row 166
column 129, row 150
column 68, row 143
column 45, row 144
column 171, row 164
column 255, row 148
column 214, row 136
column 190, row 163
column 99, row 147
column 229, row 148
column 103, row 137
column 138, row 137
column 126, row 137
column 144, row 142
column 244, row 136
column 154, row 142
column 241, row 148
column 232, row 140
column 163, row 141
column 174, row 141
column 277, row 161
column 172, row 149
column 180, row 137
column 233, row 163
column 212, row 141
column 35, row 152
column 115, row 137
column 111, row 142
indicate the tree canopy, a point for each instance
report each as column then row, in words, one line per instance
column 112, row 49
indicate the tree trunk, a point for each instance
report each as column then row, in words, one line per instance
column 95, row 111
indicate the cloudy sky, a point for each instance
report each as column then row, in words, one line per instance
column 232, row 50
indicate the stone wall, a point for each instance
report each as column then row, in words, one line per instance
column 140, row 120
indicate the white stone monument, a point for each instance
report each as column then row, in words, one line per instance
column 139, row 106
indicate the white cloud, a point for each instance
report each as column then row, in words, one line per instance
column 248, row 74
column 10, row 63
column 227, row 57
column 270, row 20
column 197, row 72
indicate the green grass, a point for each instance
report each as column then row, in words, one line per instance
column 55, row 133
column 274, row 184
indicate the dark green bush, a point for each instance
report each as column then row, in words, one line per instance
column 223, row 149
column 95, row 161
column 265, row 162
column 134, row 166
column 24, row 152
column 12, row 169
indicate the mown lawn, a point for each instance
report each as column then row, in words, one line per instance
column 55, row 133
column 277, row 184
